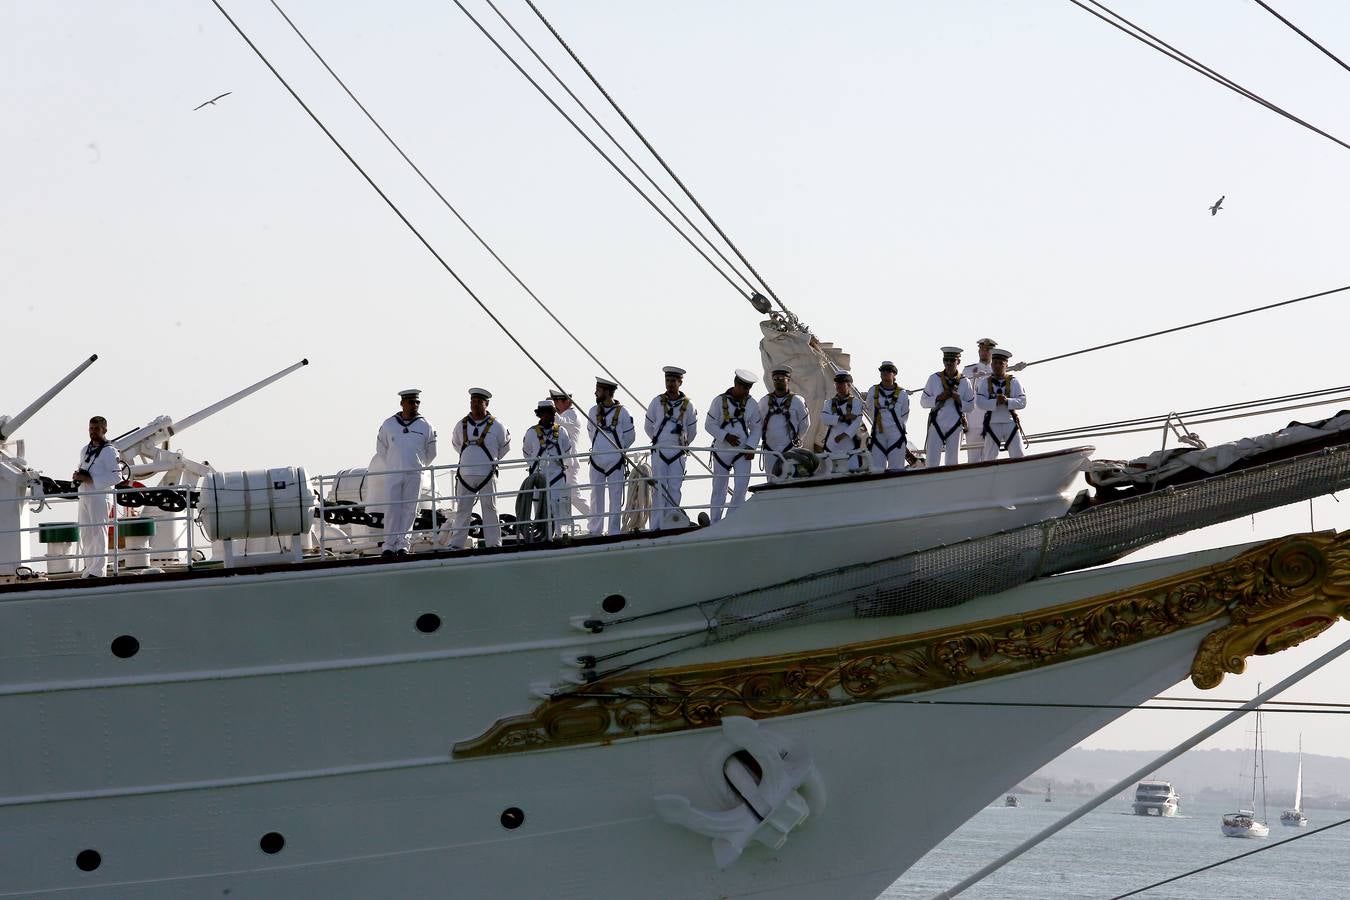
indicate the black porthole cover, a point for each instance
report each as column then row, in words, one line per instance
column 428, row 622
column 512, row 817
column 125, row 646
column 88, row 860
column 272, row 842
column 613, row 603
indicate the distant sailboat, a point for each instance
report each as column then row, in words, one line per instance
column 1049, row 798
column 1244, row 823
column 1295, row 818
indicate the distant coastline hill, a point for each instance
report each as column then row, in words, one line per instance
column 1326, row 779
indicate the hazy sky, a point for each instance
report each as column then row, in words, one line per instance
column 905, row 175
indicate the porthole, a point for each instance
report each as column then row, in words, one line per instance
column 613, row 603
column 125, row 646
column 428, row 622
column 88, row 860
column 512, row 817
column 272, row 842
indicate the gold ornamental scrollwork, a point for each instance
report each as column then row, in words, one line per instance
column 1274, row 596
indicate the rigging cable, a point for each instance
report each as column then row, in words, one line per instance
column 448, row 205
column 1215, row 865
column 620, row 147
column 1303, row 34
column 385, row 197
column 1153, row 334
column 597, row 148
column 652, row 150
column 1191, row 63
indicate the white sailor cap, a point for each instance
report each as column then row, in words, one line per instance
column 951, row 351
column 745, row 376
column 673, row 370
column 842, row 377
column 545, row 404
column 602, row 381
column 987, row 342
column 410, row 392
column 558, row 395
column 1000, row 353
column 887, row 365
column 480, row 392
column 783, row 369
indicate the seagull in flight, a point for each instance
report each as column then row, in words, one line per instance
column 212, row 101
column 1214, row 210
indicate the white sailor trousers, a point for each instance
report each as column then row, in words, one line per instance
column 739, row 474
column 975, row 453
column 93, row 521
column 577, row 492
column 669, row 482
column 883, row 461
column 936, row 447
column 402, row 490
column 606, row 495
column 990, row 448
column 486, row 498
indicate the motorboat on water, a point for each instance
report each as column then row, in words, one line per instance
column 1156, row 798
column 1244, row 823
column 1012, row 800
column 1295, row 818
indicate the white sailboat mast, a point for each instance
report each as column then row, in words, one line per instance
column 1298, row 780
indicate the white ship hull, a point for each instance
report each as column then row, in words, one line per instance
column 1254, row 830
column 1155, row 809
column 307, row 705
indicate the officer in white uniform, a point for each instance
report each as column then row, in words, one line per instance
column 784, row 419
column 612, row 431
column 842, row 417
column 99, row 471
column 949, row 399
column 672, row 423
column 481, row 442
column 570, row 420
column 734, row 426
column 999, row 397
column 406, row 444
column 974, row 373
column 888, row 403
column 546, row 445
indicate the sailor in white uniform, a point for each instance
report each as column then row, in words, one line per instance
column 999, row 397
column 546, row 445
column 842, row 417
column 612, row 432
column 974, row 373
column 406, row 444
column 570, row 420
column 481, row 442
column 949, row 399
column 888, row 403
column 734, row 426
column 672, row 423
column 99, row 471
column 784, row 421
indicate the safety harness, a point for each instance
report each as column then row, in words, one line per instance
column 669, row 408
column 481, row 443
column 841, row 408
column 884, row 402
column 733, row 413
column 544, row 445
column 952, row 384
column 613, row 432
column 782, row 408
column 1004, row 388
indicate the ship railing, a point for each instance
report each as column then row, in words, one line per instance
column 139, row 541
column 348, row 499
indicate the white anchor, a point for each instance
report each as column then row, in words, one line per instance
column 764, row 807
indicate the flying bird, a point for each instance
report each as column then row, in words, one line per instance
column 1214, row 210
column 212, row 101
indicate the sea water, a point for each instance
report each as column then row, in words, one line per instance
column 1111, row 851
